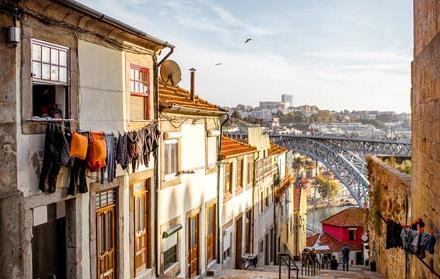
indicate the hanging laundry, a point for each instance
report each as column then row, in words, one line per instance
column 152, row 135
column 78, row 177
column 393, row 238
column 79, row 146
column 56, row 150
column 111, row 145
column 410, row 240
column 121, row 151
column 427, row 242
column 97, row 152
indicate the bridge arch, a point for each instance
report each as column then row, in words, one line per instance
column 342, row 167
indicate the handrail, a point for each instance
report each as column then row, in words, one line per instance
column 287, row 259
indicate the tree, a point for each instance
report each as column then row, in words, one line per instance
column 326, row 189
column 236, row 114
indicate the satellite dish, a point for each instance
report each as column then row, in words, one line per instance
column 170, row 72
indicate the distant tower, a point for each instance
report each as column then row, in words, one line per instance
column 287, row 99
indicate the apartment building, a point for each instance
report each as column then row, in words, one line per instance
column 189, row 190
column 237, row 187
column 71, row 68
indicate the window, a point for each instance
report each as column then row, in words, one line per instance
column 267, row 197
column 250, row 171
column 352, row 234
column 248, row 236
column 49, row 80
column 170, row 256
column 261, row 201
column 139, row 92
column 239, row 174
column 141, row 226
column 228, row 178
column 260, row 246
column 105, row 233
column 171, row 158
column 212, row 151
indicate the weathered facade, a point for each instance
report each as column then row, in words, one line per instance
column 81, row 62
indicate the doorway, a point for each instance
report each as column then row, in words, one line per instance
column 193, row 245
column 238, row 242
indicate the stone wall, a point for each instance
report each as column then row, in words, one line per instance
column 389, row 189
column 425, row 106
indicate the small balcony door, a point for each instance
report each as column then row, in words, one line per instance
column 193, row 245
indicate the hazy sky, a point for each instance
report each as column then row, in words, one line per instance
column 336, row 54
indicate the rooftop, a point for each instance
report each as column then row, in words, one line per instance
column 349, row 217
column 232, row 148
column 176, row 99
column 276, row 149
column 334, row 244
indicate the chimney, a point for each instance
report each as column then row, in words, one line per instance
column 193, row 75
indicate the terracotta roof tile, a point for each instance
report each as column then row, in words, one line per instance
column 233, row 148
column 170, row 96
column 349, row 217
column 276, row 149
column 334, row 244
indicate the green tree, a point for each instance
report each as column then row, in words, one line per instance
column 326, row 189
column 236, row 114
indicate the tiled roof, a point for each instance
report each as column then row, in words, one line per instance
column 171, row 96
column 349, row 217
column 297, row 198
column 233, row 148
column 276, row 149
column 334, row 244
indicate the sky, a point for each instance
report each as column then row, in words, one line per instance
column 336, row 54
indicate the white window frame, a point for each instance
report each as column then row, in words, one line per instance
column 168, row 176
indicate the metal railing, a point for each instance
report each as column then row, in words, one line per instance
column 287, row 260
column 310, row 265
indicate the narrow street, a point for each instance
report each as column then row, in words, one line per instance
column 271, row 272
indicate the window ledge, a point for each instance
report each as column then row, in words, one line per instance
column 173, row 270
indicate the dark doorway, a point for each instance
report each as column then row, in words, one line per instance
column 49, row 247
column 238, row 242
column 359, row 258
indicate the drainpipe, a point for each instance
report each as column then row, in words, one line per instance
column 156, row 159
column 219, row 160
column 253, row 203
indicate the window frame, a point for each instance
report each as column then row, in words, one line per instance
column 166, row 264
column 239, row 174
column 146, row 94
column 228, row 168
column 250, row 171
column 171, row 174
column 50, row 46
column 353, row 232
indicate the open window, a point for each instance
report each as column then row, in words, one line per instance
column 49, row 80
column 171, row 158
column 139, row 93
column 352, row 234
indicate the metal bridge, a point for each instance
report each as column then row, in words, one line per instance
column 344, row 156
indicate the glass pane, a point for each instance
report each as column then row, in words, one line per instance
column 141, row 88
column 137, row 89
column 45, row 71
column 45, row 54
column 142, row 213
column 101, row 234
column 54, row 72
column 63, row 74
column 131, row 73
column 136, row 74
column 36, row 69
column 54, row 56
column 36, row 52
column 63, row 58
column 131, row 86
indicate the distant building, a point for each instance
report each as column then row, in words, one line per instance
column 287, row 100
column 272, row 106
column 344, row 227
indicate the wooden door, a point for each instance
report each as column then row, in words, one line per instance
column 141, row 229
column 238, row 242
column 105, row 231
column 211, row 232
column 193, row 241
column 266, row 252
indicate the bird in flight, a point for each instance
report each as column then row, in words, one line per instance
column 247, row 40
column 218, row 64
